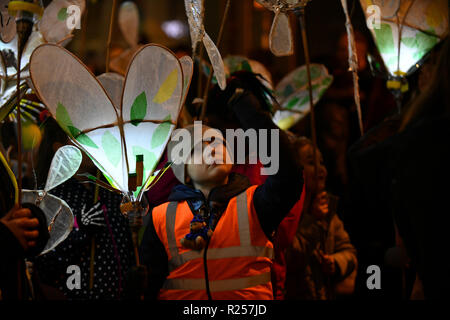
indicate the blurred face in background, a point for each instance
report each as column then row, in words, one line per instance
column 306, row 154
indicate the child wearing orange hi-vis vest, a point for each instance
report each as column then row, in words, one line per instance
column 231, row 259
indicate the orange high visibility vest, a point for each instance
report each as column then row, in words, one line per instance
column 239, row 255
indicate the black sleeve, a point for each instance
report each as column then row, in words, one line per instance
column 279, row 193
column 10, row 247
column 154, row 257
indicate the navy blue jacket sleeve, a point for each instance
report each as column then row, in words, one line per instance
column 273, row 199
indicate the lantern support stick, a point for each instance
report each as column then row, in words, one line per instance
column 219, row 40
column 300, row 13
column 108, row 44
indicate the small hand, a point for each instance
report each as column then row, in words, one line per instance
column 328, row 264
column 22, row 224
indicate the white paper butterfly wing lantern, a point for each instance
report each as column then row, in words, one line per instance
column 129, row 27
column 195, row 13
column 81, row 107
column 64, row 165
column 58, row 214
column 59, row 19
column 129, row 22
column 188, row 69
column 51, row 207
column 8, row 23
column 280, row 37
column 152, row 100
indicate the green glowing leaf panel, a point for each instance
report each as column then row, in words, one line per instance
column 292, row 93
column 425, row 24
column 138, row 109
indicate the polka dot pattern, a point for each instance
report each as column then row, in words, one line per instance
column 114, row 253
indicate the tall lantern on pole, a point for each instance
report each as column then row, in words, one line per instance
column 406, row 31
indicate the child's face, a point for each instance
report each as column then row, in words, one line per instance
column 307, row 160
column 211, row 174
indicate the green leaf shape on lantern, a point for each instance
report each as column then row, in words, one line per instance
column 327, row 81
column 62, row 14
column 112, row 148
column 138, row 109
column 82, row 137
column 424, row 44
column 385, row 39
column 161, row 132
column 167, row 88
column 304, row 101
column 246, row 66
column 292, row 103
column 63, row 119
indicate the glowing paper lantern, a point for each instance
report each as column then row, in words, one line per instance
column 408, row 30
column 52, row 28
column 129, row 27
column 195, row 10
column 7, row 23
column 154, row 90
column 292, row 94
column 280, row 38
column 59, row 216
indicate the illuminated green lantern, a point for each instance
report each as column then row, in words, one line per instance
column 114, row 133
column 404, row 32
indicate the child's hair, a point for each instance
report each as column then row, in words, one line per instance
column 301, row 142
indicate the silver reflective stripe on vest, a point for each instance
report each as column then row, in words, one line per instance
column 217, row 285
column 243, row 223
column 244, row 250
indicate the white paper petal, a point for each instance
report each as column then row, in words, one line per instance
column 216, row 61
column 52, row 27
column 51, row 205
column 280, row 38
column 188, row 69
column 64, row 165
column 129, row 22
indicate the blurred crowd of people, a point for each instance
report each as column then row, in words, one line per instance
column 333, row 209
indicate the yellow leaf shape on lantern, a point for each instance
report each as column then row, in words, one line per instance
column 167, row 88
column 434, row 13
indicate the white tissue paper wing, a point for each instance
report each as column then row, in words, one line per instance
column 64, row 165
column 129, row 22
column 55, row 209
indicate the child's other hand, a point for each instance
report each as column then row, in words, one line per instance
column 320, row 205
column 22, row 224
column 328, row 264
